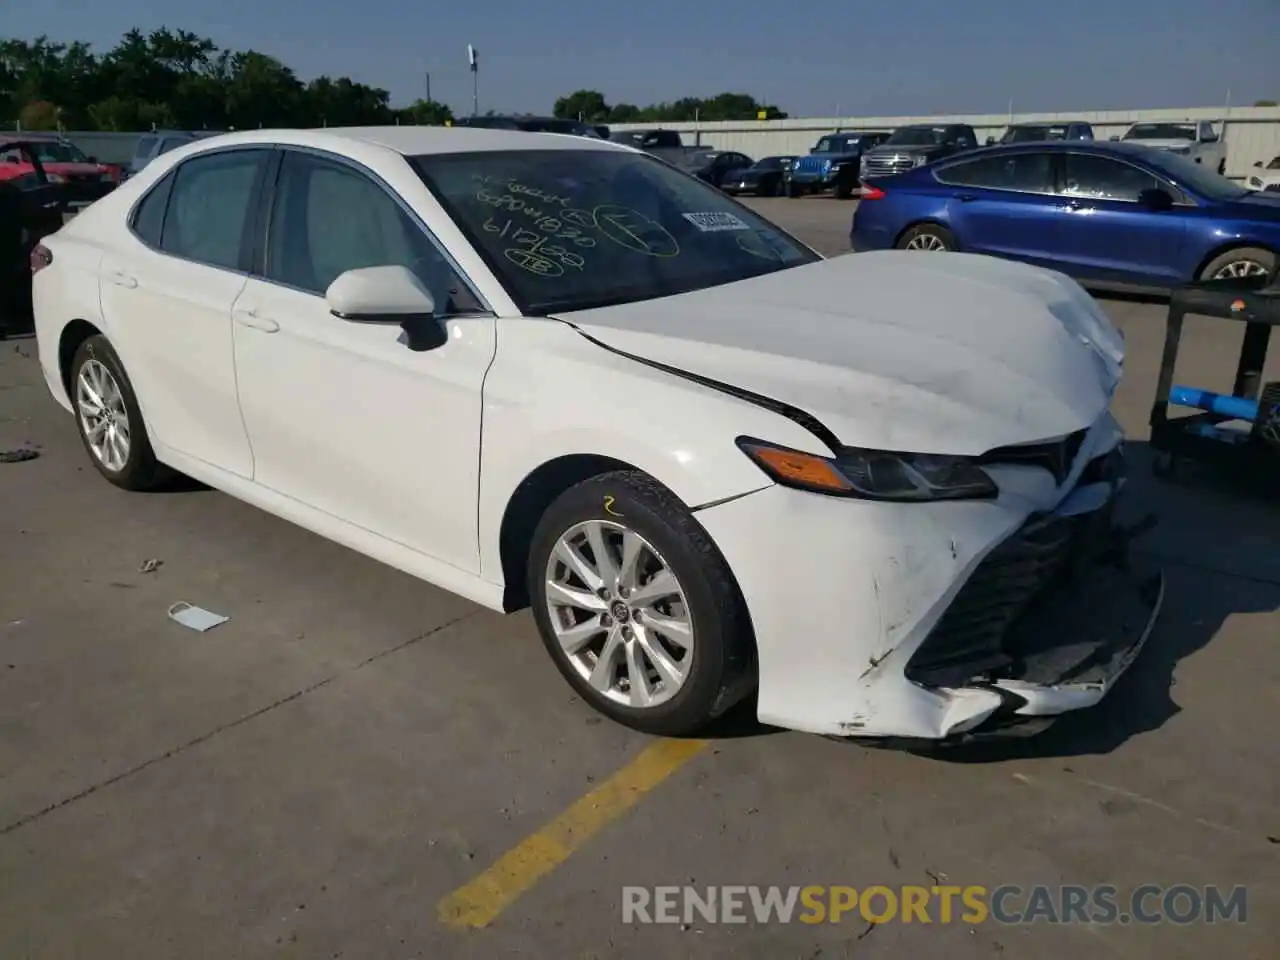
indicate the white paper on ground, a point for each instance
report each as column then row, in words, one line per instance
column 196, row 618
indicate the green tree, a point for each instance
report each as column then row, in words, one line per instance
column 723, row 106
column 1265, row 103
column 426, row 112
column 174, row 78
column 586, row 105
column 39, row 115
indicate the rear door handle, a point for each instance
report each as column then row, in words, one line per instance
column 251, row 319
column 122, row 279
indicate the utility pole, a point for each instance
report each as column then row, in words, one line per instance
column 428, row 86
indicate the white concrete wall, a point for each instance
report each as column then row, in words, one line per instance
column 1253, row 133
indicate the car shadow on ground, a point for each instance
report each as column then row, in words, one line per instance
column 1216, row 541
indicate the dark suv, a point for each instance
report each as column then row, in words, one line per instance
column 1036, row 132
column 832, row 163
column 916, row 145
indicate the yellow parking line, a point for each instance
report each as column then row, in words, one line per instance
column 479, row 902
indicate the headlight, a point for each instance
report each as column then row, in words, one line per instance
column 55, row 178
column 919, row 160
column 872, row 474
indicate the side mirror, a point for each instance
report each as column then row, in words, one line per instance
column 1115, row 137
column 990, row 141
column 1258, row 164
column 387, row 295
column 92, row 159
column 1156, row 199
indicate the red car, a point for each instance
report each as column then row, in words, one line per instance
column 80, row 179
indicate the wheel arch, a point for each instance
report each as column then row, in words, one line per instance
column 1227, row 247
column 525, row 507
column 73, row 334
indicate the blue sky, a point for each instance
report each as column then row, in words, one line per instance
column 808, row 56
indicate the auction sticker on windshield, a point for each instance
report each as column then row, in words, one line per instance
column 712, row 222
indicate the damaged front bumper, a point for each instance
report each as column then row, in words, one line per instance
column 1045, row 626
column 940, row 621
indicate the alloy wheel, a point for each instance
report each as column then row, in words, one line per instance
column 619, row 614
column 926, row 243
column 104, row 418
column 1240, row 268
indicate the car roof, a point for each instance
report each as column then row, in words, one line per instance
column 1100, row 147
column 1051, row 123
column 414, row 140
column 18, row 140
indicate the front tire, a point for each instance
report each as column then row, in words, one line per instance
column 637, row 607
column 109, row 419
column 1239, row 263
column 927, row 238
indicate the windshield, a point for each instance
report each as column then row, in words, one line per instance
column 1034, row 134
column 697, row 158
column 836, row 145
column 556, row 126
column 1161, row 131
column 575, row 229
column 916, row 136
column 53, row 151
column 1196, row 177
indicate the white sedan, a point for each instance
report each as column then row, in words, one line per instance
column 546, row 371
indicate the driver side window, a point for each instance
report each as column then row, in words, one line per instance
column 329, row 218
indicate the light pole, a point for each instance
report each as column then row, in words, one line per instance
column 473, row 61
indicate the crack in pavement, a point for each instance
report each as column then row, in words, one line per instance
column 230, row 725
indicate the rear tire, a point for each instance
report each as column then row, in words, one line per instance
column 1240, row 262
column 692, row 642
column 794, row 191
column 927, row 238
column 842, row 190
column 109, row 419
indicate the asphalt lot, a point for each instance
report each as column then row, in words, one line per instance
column 315, row 777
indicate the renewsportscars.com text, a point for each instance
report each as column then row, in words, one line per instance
column 1007, row 904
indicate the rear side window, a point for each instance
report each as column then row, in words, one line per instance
column 169, row 143
column 144, row 148
column 148, row 216
column 209, row 207
column 1022, row 172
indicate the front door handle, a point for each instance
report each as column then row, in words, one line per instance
column 966, row 197
column 122, row 279
column 251, row 319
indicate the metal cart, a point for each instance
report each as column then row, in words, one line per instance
column 1239, row 430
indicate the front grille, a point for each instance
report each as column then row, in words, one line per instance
column 888, row 164
column 809, row 165
column 1057, row 456
column 969, row 640
column 966, row 641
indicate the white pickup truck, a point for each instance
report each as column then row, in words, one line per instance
column 1191, row 138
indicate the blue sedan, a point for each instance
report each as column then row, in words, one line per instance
column 1111, row 213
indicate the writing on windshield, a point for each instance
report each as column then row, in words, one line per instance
column 575, row 228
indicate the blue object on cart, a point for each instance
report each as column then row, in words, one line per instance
column 1241, row 408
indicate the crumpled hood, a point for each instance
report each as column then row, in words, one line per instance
column 953, row 354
